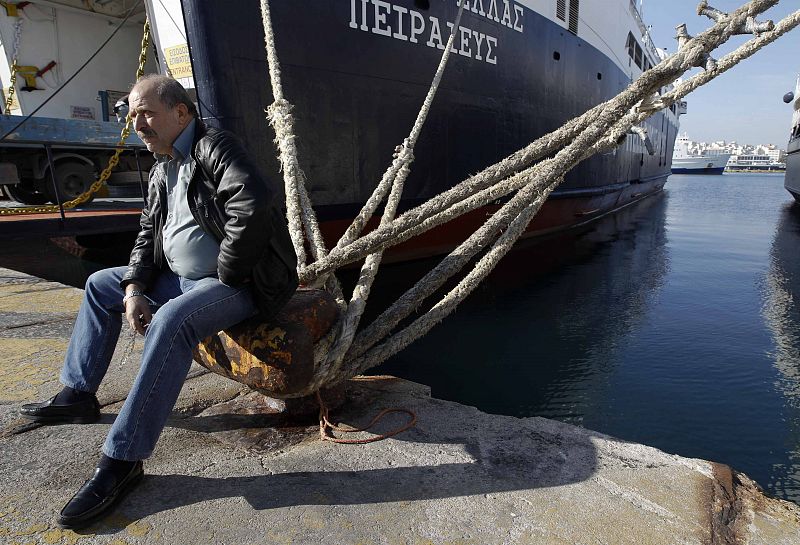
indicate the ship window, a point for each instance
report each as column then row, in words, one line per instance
column 599, row 75
column 635, row 51
column 631, row 45
column 556, row 55
column 574, row 9
column 561, row 9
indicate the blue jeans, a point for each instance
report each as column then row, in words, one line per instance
column 186, row 311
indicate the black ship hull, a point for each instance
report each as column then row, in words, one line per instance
column 792, row 177
column 357, row 91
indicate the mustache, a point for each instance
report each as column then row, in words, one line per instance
column 146, row 132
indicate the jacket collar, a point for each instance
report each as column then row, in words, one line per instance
column 182, row 146
column 186, row 147
column 199, row 132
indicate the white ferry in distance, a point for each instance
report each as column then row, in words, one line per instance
column 685, row 161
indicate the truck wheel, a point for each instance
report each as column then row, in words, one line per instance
column 72, row 179
column 25, row 194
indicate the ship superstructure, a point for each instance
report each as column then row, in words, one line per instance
column 74, row 61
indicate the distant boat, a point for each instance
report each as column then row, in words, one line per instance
column 755, row 163
column 686, row 162
column 792, row 179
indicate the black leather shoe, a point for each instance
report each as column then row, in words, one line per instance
column 48, row 412
column 97, row 496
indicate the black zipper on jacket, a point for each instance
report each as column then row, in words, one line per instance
column 212, row 221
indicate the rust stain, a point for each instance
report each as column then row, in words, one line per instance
column 284, row 357
column 205, row 354
column 727, row 517
column 270, row 338
column 275, row 356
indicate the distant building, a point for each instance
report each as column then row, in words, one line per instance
column 743, row 157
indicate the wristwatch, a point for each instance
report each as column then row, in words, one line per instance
column 134, row 293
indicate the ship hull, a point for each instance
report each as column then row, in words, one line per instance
column 557, row 214
column 758, row 168
column 357, row 92
column 792, row 178
column 704, row 170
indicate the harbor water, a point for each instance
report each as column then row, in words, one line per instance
column 674, row 323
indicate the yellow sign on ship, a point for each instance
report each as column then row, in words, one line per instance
column 177, row 58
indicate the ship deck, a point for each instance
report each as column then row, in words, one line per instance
column 104, row 215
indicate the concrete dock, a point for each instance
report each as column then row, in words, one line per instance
column 223, row 475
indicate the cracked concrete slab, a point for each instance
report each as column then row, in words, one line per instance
column 226, row 473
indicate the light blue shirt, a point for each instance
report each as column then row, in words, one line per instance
column 190, row 251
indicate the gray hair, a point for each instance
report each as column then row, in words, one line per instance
column 169, row 91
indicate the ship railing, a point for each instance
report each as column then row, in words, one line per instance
column 637, row 16
column 49, row 146
column 647, row 41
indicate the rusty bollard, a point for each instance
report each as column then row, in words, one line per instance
column 276, row 358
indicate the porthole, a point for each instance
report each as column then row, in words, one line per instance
column 556, row 55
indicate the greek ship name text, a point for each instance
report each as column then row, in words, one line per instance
column 386, row 19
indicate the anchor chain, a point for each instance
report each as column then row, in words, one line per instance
column 14, row 66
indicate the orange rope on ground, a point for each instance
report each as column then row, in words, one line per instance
column 326, row 427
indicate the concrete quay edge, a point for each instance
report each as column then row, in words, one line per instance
column 226, row 474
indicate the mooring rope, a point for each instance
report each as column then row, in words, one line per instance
column 300, row 213
column 339, row 339
column 520, row 176
column 397, row 172
column 409, row 301
column 543, row 147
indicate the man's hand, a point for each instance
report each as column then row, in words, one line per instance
column 137, row 311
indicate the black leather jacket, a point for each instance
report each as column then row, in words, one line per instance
column 231, row 201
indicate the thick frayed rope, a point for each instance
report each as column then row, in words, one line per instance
column 519, row 176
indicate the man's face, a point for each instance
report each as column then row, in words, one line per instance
column 156, row 124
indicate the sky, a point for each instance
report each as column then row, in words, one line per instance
column 746, row 103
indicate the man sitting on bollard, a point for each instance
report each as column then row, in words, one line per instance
column 213, row 250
